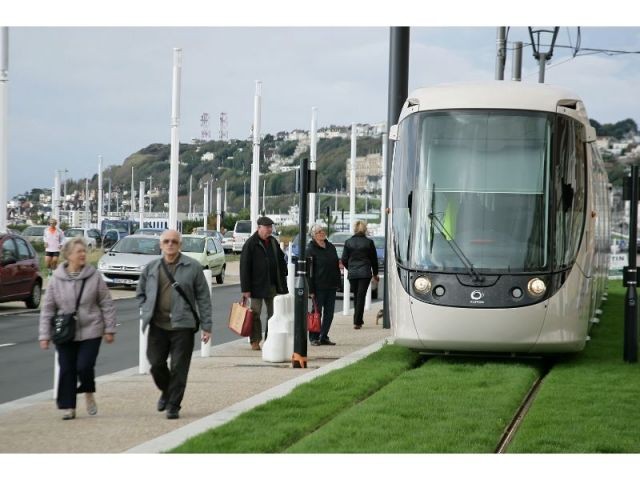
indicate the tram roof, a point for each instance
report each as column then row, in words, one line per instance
column 494, row 94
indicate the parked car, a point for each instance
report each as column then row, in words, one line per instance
column 241, row 232
column 20, row 277
column 295, row 246
column 378, row 241
column 124, row 262
column 208, row 251
column 90, row 235
column 111, row 237
column 227, row 242
column 209, row 233
column 34, row 233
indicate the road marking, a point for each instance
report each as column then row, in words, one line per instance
column 7, row 344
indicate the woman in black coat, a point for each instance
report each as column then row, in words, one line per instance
column 324, row 281
column 359, row 257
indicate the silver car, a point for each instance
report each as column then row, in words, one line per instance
column 124, row 262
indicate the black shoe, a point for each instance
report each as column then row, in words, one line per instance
column 173, row 413
column 162, row 404
column 326, row 341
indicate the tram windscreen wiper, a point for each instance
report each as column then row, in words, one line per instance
column 435, row 221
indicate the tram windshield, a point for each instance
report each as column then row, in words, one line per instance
column 484, row 176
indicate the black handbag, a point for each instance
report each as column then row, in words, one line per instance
column 179, row 289
column 64, row 324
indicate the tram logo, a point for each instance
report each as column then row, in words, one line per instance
column 477, row 296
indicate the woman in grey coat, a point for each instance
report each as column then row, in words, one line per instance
column 95, row 318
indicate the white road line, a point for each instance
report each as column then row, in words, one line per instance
column 7, row 344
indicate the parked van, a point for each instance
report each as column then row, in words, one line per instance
column 241, row 232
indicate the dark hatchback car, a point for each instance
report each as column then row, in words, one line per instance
column 20, row 278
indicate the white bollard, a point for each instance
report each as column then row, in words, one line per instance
column 291, row 269
column 143, row 362
column 56, row 371
column 367, row 299
column 205, row 348
column 346, row 294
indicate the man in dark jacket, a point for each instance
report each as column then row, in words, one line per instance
column 263, row 274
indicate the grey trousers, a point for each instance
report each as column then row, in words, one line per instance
column 256, row 307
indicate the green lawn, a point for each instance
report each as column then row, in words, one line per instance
column 588, row 403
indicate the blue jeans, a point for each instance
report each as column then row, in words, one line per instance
column 326, row 300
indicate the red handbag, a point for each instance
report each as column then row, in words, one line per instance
column 313, row 318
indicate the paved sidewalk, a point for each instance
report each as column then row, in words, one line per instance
column 232, row 380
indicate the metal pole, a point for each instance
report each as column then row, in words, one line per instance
column 190, row 192
column 542, row 62
column 175, row 140
column 218, row 205
column 141, row 204
column 55, row 197
column 313, row 157
column 4, row 130
column 264, row 193
column 516, row 65
column 630, row 353
column 398, row 92
column 205, row 208
column 224, row 208
column 109, row 201
column 101, row 192
column 500, row 52
column 133, row 195
column 87, row 213
column 299, row 359
column 255, row 166
column 352, row 178
column 383, row 195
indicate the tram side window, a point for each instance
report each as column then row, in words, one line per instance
column 569, row 191
column 405, row 168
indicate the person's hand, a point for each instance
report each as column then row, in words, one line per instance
column 376, row 278
column 246, row 294
column 312, row 295
column 44, row 344
column 108, row 337
column 206, row 336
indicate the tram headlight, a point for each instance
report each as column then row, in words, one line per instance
column 422, row 284
column 536, row 287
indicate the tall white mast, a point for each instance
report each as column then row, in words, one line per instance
column 175, row 140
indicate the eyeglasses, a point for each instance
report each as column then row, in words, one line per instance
column 170, row 240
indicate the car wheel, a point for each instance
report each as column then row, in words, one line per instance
column 220, row 278
column 34, row 298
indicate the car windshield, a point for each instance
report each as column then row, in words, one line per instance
column 34, row 230
column 229, row 234
column 378, row 241
column 74, row 232
column 243, row 227
column 140, row 246
column 192, row 244
column 339, row 237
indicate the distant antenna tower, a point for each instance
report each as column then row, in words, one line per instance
column 224, row 126
column 205, row 133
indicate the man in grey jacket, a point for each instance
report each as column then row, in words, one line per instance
column 170, row 318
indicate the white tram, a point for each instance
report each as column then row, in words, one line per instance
column 499, row 222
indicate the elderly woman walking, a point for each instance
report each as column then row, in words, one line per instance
column 359, row 257
column 76, row 283
column 324, row 281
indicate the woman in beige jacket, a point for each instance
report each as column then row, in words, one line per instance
column 95, row 318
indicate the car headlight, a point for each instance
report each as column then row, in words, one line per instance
column 102, row 265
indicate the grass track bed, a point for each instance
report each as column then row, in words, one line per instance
column 458, row 406
column 274, row 426
column 588, row 403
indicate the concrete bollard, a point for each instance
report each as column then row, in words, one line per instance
column 56, row 371
column 278, row 347
column 205, row 348
column 143, row 362
column 346, row 294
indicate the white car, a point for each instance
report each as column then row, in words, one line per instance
column 124, row 262
column 90, row 235
column 227, row 242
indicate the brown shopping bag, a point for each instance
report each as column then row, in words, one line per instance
column 241, row 318
column 313, row 319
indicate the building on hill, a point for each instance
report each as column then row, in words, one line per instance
column 368, row 168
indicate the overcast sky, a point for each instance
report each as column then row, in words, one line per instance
column 79, row 92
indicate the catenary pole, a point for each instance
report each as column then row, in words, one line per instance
column 255, row 166
column 516, row 62
column 630, row 351
column 299, row 359
column 100, row 192
column 352, row 179
column 398, row 91
column 175, row 139
column 4, row 129
column 313, row 145
column 500, row 52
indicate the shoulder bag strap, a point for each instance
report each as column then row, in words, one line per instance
column 80, row 295
column 179, row 289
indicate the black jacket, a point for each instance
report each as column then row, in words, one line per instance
column 254, row 267
column 326, row 269
column 359, row 257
